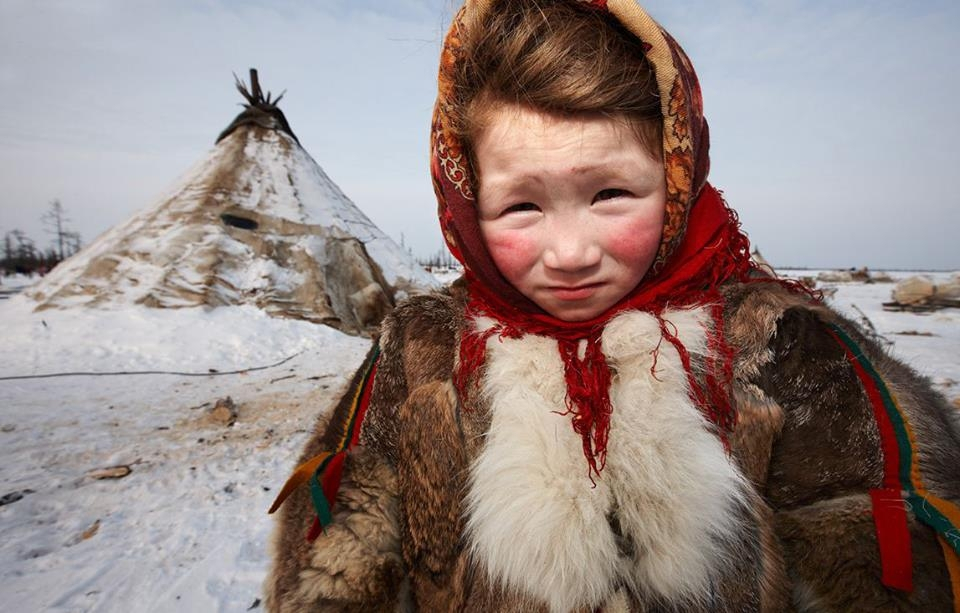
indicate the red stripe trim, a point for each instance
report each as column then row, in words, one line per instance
column 315, row 529
column 364, row 403
column 330, row 480
column 893, row 538
column 888, row 437
column 889, row 514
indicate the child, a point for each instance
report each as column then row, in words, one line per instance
column 613, row 411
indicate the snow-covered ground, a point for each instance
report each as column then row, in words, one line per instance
column 13, row 284
column 187, row 529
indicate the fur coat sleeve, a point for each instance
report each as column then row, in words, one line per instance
column 359, row 564
column 809, row 440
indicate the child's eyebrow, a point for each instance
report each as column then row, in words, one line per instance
column 502, row 186
column 617, row 169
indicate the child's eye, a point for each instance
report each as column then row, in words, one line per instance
column 520, row 208
column 609, row 194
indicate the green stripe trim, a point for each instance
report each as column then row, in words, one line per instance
column 922, row 509
column 320, row 504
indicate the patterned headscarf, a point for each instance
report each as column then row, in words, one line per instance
column 685, row 141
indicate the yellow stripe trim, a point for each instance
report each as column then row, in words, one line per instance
column 953, row 566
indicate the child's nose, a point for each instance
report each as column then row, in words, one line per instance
column 569, row 247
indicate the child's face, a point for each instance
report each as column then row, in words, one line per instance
column 571, row 208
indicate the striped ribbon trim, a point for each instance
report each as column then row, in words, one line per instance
column 902, row 483
column 325, row 470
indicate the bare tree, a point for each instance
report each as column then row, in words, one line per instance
column 55, row 223
column 441, row 259
column 20, row 254
column 25, row 248
column 72, row 242
column 9, row 252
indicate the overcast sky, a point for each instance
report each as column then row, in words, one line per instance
column 834, row 124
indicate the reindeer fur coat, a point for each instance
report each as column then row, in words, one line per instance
column 491, row 509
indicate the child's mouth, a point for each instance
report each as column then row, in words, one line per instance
column 575, row 292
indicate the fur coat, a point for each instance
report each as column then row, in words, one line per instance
column 491, row 507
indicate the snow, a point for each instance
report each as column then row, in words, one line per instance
column 187, row 530
column 17, row 281
column 447, row 274
column 12, row 284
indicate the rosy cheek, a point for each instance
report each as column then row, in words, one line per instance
column 512, row 252
column 634, row 240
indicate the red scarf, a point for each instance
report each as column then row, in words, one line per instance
column 713, row 251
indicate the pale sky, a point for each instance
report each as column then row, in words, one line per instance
column 834, row 124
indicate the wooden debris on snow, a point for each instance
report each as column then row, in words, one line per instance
column 90, row 532
column 919, row 293
column 224, row 412
column 111, row 472
column 14, row 497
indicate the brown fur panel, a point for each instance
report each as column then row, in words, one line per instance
column 380, row 427
column 796, row 392
column 753, row 311
column 833, row 556
column 752, row 314
column 417, row 346
column 774, row 583
column 485, row 598
column 356, row 565
column 793, row 378
column 759, row 421
column 753, row 579
column 432, row 467
column 796, row 388
column 936, row 426
column 829, row 445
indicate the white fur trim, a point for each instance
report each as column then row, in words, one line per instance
column 675, row 487
column 534, row 519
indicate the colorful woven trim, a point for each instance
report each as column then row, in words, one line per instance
column 902, row 482
column 325, row 471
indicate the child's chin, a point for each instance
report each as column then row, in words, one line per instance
column 574, row 313
column 591, row 307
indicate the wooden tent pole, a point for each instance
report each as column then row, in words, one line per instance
column 255, row 86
